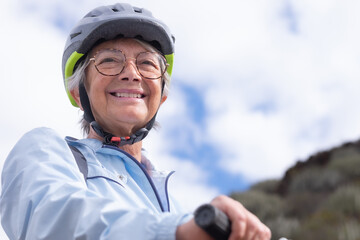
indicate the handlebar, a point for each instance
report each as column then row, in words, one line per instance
column 214, row 222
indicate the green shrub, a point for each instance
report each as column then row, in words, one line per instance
column 316, row 179
column 264, row 206
column 322, row 225
column 349, row 230
column 282, row 227
column 346, row 201
column 344, row 152
column 303, row 204
column 347, row 162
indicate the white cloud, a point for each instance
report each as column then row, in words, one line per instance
column 309, row 79
column 32, row 94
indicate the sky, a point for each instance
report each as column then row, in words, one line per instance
column 257, row 85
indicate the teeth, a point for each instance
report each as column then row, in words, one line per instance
column 128, row 95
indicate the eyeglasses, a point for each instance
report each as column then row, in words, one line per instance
column 111, row 62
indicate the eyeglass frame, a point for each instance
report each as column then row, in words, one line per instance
column 137, row 69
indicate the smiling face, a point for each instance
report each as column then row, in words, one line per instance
column 124, row 103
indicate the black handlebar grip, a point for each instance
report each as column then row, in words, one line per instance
column 213, row 221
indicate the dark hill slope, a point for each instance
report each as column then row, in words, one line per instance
column 318, row 198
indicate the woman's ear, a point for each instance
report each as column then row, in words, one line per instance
column 163, row 99
column 76, row 96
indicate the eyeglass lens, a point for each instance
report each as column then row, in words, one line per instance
column 111, row 62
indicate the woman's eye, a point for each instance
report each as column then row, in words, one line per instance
column 108, row 60
column 148, row 63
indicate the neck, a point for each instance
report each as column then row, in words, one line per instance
column 133, row 149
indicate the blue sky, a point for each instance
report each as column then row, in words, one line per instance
column 257, row 84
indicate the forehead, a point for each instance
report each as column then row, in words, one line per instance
column 128, row 46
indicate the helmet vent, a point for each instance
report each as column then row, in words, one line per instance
column 115, row 10
column 72, row 35
column 137, row 10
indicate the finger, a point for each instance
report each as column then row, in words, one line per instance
column 238, row 230
column 245, row 225
column 254, row 227
column 236, row 214
column 264, row 233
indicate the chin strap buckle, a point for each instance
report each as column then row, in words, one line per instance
column 110, row 139
column 121, row 141
column 118, row 141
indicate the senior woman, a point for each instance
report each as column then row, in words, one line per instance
column 117, row 65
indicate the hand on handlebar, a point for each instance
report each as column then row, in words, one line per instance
column 244, row 224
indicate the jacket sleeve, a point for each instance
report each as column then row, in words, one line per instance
column 44, row 196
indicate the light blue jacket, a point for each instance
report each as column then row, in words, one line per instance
column 44, row 195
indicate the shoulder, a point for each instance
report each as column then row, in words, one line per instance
column 40, row 133
column 39, row 150
column 40, row 137
column 39, row 141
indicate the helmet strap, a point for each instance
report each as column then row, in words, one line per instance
column 109, row 138
column 85, row 103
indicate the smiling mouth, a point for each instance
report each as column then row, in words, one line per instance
column 127, row 95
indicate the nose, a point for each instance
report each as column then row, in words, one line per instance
column 130, row 71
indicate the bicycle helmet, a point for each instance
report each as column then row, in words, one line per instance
column 107, row 23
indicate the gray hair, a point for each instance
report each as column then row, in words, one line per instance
column 79, row 76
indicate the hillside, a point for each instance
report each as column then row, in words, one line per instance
column 318, row 198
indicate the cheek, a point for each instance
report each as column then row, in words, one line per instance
column 93, row 84
column 155, row 88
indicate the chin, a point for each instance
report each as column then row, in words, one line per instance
column 134, row 120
